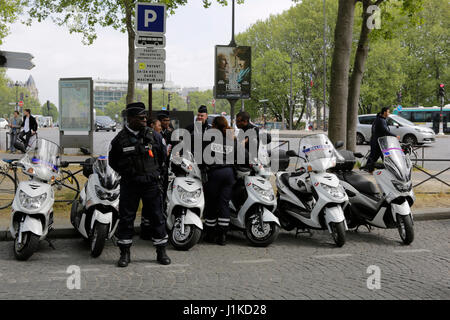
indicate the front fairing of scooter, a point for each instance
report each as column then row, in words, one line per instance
column 33, row 189
column 189, row 185
column 384, row 180
column 91, row 197
column 320, row 182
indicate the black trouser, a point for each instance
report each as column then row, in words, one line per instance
column 26, row 139
column 130, row 195
column 218, row 191
column 375, row 153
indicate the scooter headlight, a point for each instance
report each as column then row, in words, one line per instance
column 105, row 195
column 402, row 186
column 31, row 202
column 267, row 195
column 336, row 192
column 189, row 197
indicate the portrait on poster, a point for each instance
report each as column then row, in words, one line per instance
column 232, row 72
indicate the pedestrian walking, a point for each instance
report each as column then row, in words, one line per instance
column 15, row 122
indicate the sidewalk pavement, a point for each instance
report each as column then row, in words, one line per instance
column 63, row 229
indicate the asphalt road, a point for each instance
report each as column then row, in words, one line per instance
column 291, row 268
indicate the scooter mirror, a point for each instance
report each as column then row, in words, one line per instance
column 358, row 155
column 291, row 153
column 339, row 144
column 64, row 164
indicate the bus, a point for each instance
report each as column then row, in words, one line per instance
column 427, row 116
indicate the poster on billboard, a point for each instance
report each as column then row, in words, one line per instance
column 75, row 100
column 232, row 72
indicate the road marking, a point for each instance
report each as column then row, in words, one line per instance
column 412, row 250
column 342, row 255
column 170, row 265
column 82, row 270
column 254, row 261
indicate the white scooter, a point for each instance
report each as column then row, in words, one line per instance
column 392, row 207
column 185, row 202
column 32, row 208
column 309, row 197
column 253, row 204
column 95, row 215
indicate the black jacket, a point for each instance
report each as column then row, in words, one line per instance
column 205, row 126
column 130, row 156
column 256, row 135
column 380, row 128
column 33, row 123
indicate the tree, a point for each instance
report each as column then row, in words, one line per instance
column 83, row 16
column 9, row 11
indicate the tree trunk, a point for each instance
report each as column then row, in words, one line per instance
column 356, row 78
column 339, row 71
column 131, row 37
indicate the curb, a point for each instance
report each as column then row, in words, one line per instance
column 70, row 233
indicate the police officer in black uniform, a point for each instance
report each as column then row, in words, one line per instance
column 218, row 189
column 138, row 155
column 249, row 132
column 202, row 116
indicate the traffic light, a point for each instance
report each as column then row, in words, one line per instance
column 21, row 96
column 48, row 107
column 169, row 96
column 441, row 90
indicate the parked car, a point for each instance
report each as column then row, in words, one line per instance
column 4, row 124
column 105, row 123
column 408, row 131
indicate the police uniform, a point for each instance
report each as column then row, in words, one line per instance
column 218, row 190
column 139, row 158
column 205, row 125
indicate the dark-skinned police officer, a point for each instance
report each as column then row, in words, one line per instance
column 138, row 155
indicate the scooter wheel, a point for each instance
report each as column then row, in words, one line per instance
column 29, row 246
column 338, row 233
column 98, row 238
column 186, row 241
column 261, row 238
column 405, row 228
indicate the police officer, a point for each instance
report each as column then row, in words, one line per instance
column 380, row 128
column 138, row 155
column 218, row 189
column 249, row 131
column 202, row 116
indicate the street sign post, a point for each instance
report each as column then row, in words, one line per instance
column 150, row 54
column 150, row 71
column 16, row 60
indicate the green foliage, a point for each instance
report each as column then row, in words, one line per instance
column 9, row 11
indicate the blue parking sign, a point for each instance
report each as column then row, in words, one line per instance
column 151, row 18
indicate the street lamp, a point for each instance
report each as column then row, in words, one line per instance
column 17, row 92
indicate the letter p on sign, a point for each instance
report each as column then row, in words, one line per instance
column 150, row 16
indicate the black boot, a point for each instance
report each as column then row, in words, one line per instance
column 221, row 237
column 210, row 235
column 161, row 255
column 124, row 259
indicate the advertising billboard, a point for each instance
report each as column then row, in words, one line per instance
column 75, row 101
column 232, row 72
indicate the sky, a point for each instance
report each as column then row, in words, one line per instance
column 191, row 35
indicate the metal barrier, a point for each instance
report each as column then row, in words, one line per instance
column 431, row 176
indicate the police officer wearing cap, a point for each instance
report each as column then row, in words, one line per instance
column 202, row 116
column 138, row 155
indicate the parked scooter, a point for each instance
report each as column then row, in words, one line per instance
column 392, row 207
column 32, row 208
column 185, row 202
column 95, row 214
column 253, row 204
column 310, row 197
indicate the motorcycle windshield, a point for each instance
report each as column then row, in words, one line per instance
column 394, row 158
column 43, row 158
column 109, row 178
column 318, row 151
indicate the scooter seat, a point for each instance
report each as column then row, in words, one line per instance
column 360, row 183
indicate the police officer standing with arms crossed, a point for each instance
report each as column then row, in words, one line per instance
column 138, row 155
